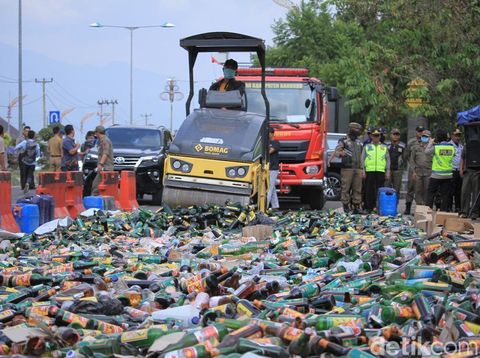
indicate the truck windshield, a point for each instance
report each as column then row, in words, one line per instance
column 287, row 101
column 134, row 137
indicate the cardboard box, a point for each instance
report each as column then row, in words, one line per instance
column 476, row 230
column 442, row 216
column 425, row 222
column 457, row 224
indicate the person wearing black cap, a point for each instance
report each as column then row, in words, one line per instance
column 411, row 182
column 229, row 83
column 396, row 150
column 376, row 168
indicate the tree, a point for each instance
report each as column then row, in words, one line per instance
column 371, row 50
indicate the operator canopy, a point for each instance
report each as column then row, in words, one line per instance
column 219, row 133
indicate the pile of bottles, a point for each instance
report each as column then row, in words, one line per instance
column 186, row 283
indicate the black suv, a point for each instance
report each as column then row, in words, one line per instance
column 138, row 148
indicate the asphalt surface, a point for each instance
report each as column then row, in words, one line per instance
column 285, row 203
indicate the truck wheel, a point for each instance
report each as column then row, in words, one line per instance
column 316, row 198
column 157, row 197
column 333, row 189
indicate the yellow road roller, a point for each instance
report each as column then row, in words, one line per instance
column 220, row 152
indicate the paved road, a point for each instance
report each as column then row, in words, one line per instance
column 292, row 204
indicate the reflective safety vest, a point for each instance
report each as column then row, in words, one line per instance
column 442, row 163
column 376, row 157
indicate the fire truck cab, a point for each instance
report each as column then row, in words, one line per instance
column 299, row 115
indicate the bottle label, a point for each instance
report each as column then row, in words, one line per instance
column 60, row 268
column 22, row 280
column 464, row 266
column 292, row 313
column 6, row 314
column 405, row 312
column 40, row 310
column 292, row 334
column 75, row 318
column 109, row 328
column 310, row 290
column 134, row 336
column 189, row 352
column 206, row 333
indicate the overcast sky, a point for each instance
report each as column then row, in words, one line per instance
column 88, row 64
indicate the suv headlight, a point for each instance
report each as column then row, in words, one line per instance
column 181, row 165
column 91, row 157
column 236, row 172
column 154, row 159
column 312, row 169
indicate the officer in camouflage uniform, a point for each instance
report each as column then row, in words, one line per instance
column 421, row 164
column 397, row 152
column 349, row 148
column 411, row 144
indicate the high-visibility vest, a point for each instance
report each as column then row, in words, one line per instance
column 442, row 163
column 376, row 157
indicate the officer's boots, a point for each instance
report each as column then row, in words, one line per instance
column 346, row 208
column 408, row 208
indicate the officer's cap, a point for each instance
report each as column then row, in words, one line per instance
column 355, row 125
column 426, row 132
column 376, row 131
column 457, row 131
column 100, row 129
column 395, row 131
column 420, row 129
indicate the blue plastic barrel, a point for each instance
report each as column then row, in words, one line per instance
column 27, row 217
column 93, row 202
column 387, row 202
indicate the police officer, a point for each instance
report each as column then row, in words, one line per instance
column 349, row 148
column 397, row 152
column 442, row 169
column 376, row 168
column 457, row 179
column 421, row 165
column 411, row 182
column 105, row 157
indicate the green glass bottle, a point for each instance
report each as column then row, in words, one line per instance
column 217, row 331
column 144, row 338
column 247, row 345
column 300, row 346
column 325, row 322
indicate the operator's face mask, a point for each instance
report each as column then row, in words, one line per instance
column 353, row 133
column 228, row 73
column 425, row 139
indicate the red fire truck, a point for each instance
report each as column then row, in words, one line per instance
column 299, row 114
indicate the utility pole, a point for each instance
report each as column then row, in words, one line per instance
column 113, row 102
column 20, row 78
column 101, row 103
column 171, row 94
column 146, row 116
column 44, row 82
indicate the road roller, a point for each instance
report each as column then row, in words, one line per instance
column 220, row 152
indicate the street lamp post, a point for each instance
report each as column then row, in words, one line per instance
column 132, row 29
